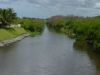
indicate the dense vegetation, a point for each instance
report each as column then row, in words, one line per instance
column 82, row 28
column 33, row 25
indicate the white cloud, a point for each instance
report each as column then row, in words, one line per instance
column 97, row 5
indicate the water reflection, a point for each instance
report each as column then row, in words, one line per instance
column 48, row 54
column 94, row 57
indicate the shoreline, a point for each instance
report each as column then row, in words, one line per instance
column 13, row 40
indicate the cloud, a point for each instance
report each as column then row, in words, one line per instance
column 54, row 7
column 97, row 5
column 60, row 3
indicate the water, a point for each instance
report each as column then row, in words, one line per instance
column 48, row 54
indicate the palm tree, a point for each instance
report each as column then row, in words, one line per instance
column 7, row 16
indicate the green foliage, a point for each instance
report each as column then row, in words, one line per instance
column 28, row 24
column 57, row 24
column 7, row 16
column 86, row 29
column 33, row 25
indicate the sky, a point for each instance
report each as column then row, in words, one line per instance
column 47, row 8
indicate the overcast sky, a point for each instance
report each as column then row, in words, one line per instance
column 46, row 8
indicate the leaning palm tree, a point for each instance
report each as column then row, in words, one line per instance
column 7, row 16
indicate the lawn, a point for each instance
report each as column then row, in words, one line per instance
column 6, row 34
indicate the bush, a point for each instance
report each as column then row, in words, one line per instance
column 83, row 28
column 33, row 25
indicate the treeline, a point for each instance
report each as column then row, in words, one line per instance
column 82, row 28
column 34, row 25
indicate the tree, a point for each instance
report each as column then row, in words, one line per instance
column 7, row 16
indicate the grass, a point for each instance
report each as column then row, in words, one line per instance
column 6, row 34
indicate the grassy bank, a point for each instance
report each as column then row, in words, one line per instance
column 8, row 17
column 6, row 34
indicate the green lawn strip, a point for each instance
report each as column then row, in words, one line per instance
column 6, row 34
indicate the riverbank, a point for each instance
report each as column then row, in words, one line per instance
column 81, row 28
column 11, row 35
column 13, row 40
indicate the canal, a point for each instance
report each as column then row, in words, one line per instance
column 48, row 54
